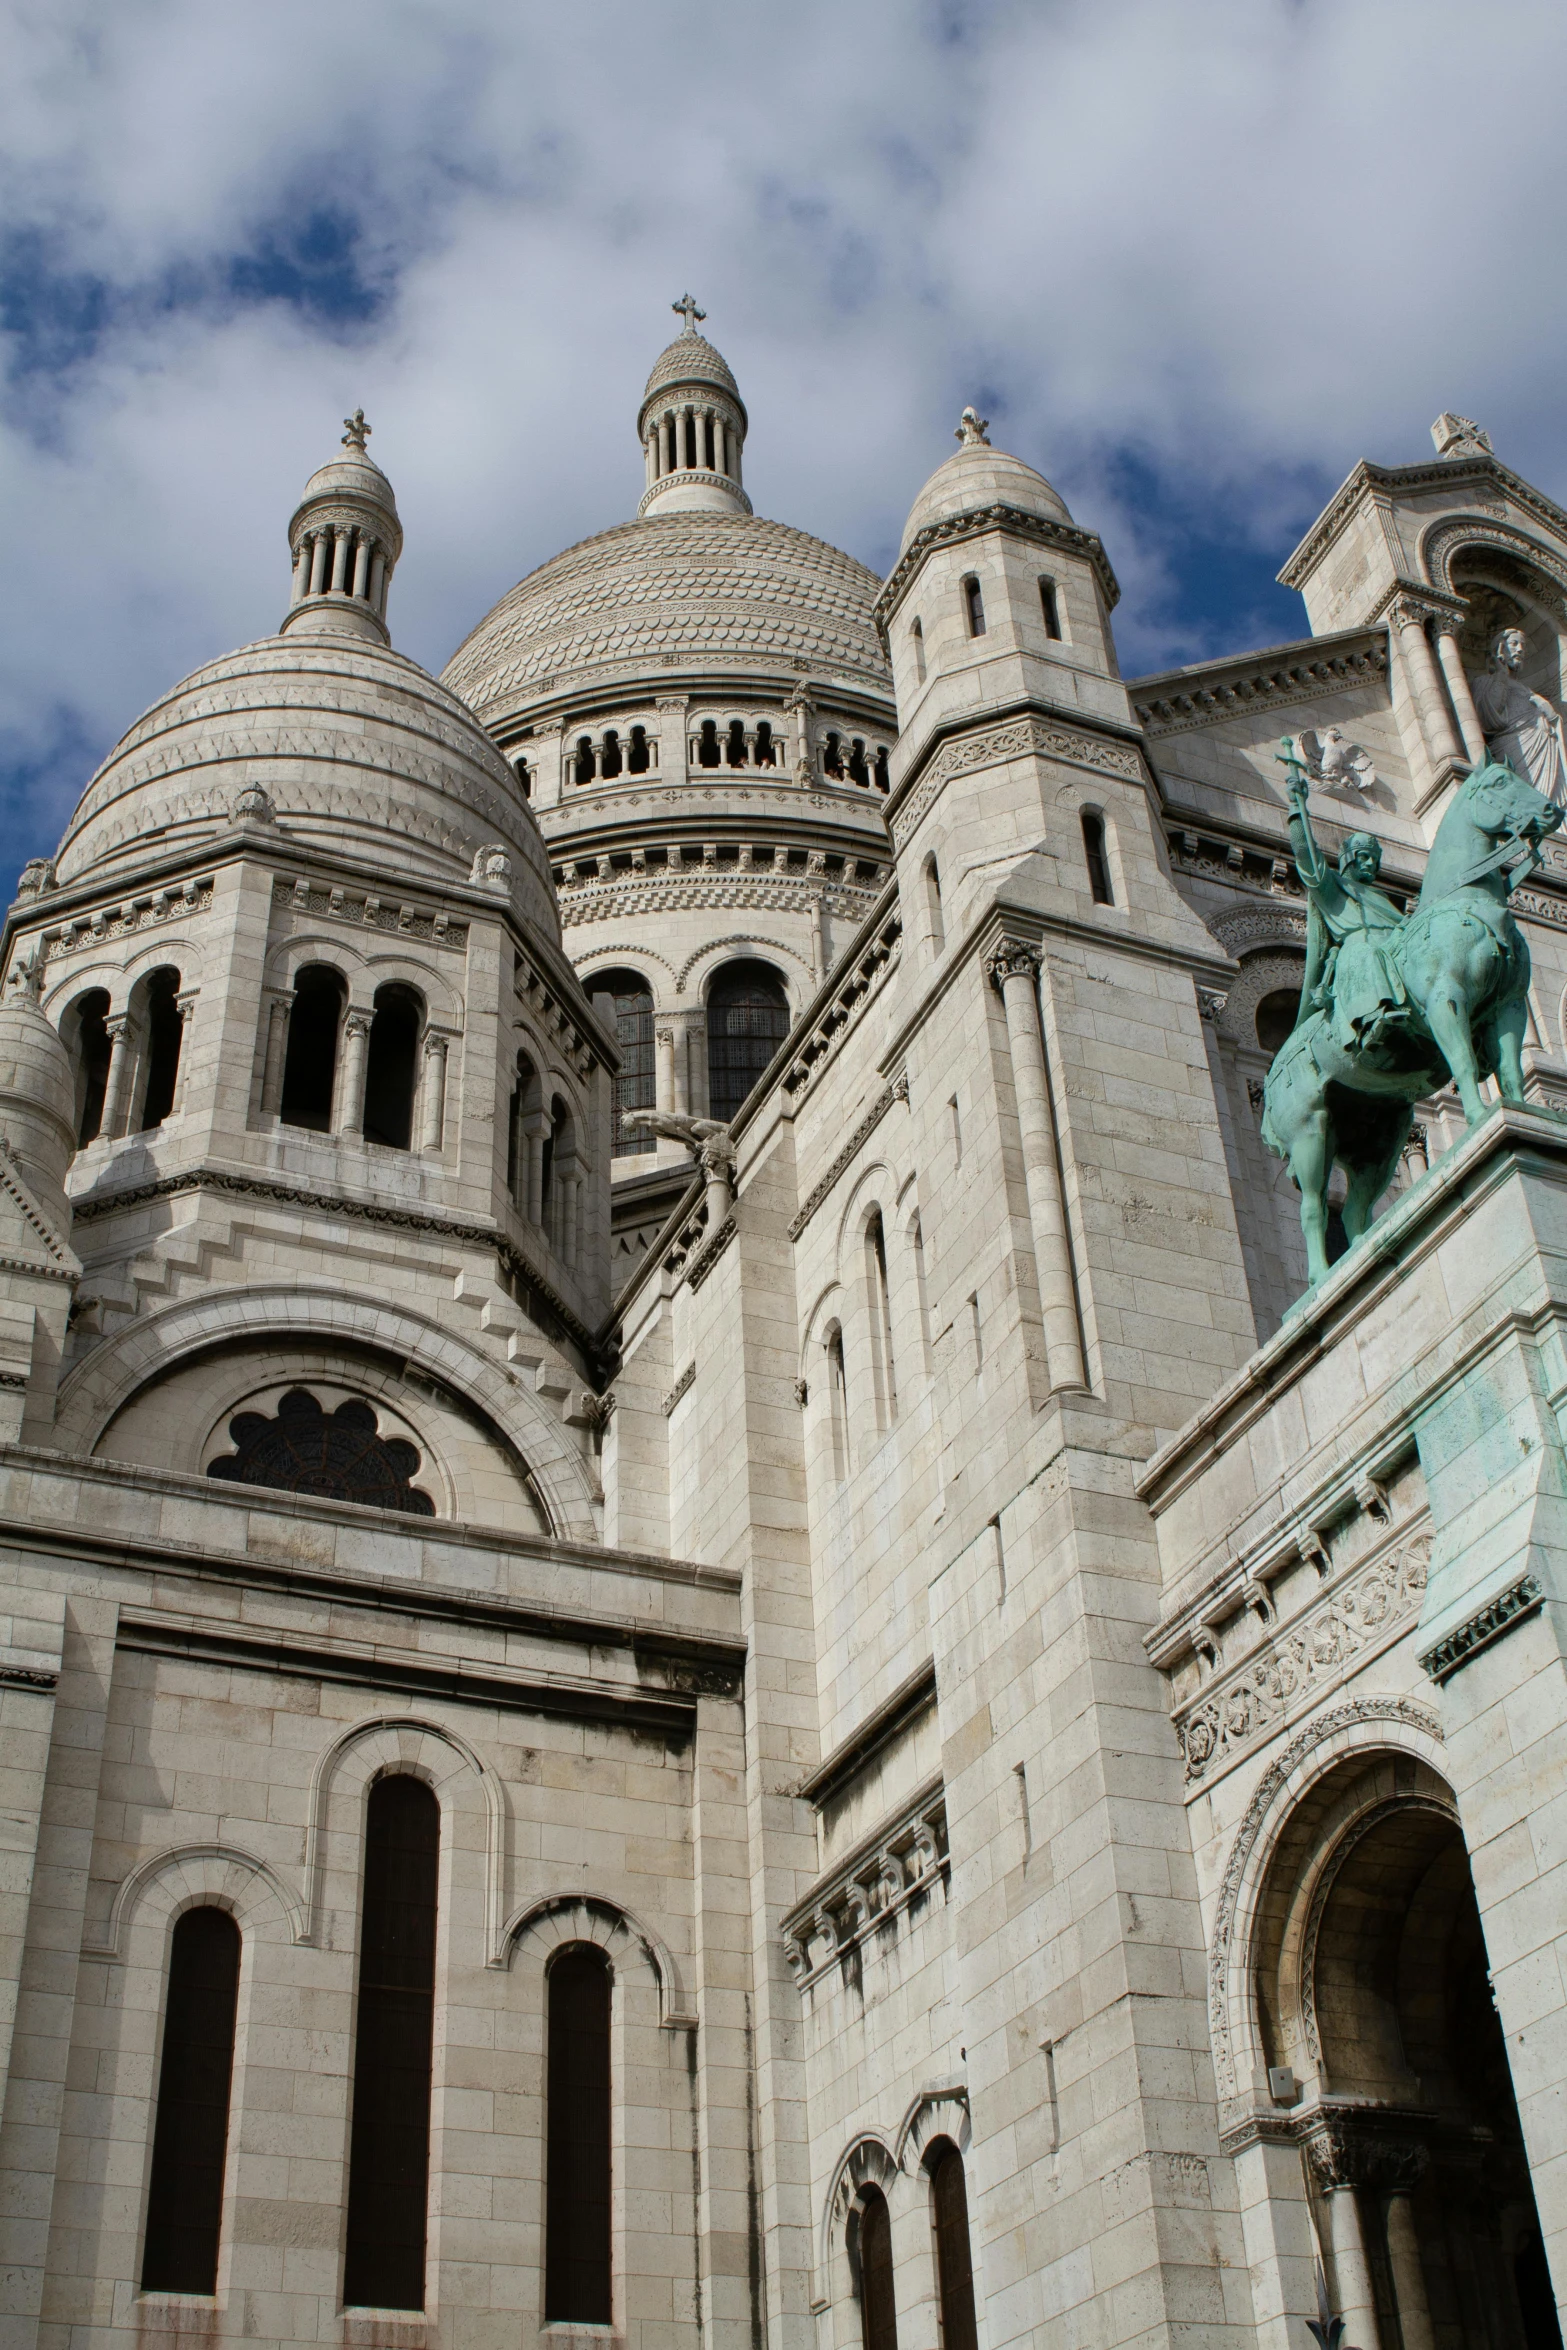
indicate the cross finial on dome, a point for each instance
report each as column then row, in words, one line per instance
column 358, row 431
column 689, row 311
column 973, row 430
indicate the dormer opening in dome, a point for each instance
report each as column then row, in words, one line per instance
column 692, row 426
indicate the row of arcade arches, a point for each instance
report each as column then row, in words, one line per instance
column 747, row 1008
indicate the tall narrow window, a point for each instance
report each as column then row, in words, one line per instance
column 973, row 606
column 747, row 1020
column 709, row 752
column 881, row 1319
column 310, row 1069
column 582, row 770
column 190, row 2138
column 577, row 2142
column 1094, row 850
column 838, row 1404
column 954, row 2264
column 524, row 777
column 917, row 640
column 611, row 755
column 637, row 758
column 1050, row 608
column 627, row 1005
column 878, row 2311
column 832, row 757
column 734, row 746
column 165, row 1029
column 92, row 1063
column 935, row 927
column 392, row 1066
column 766, row 754
column 857, row 770
column 389, row 2145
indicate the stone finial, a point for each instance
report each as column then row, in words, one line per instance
column 687, row 309
column 491, row 866
column 37, row 876
column 1459, row 436
column 973, row 430
column 357, row 433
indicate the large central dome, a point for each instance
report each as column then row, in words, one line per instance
column 679, row 591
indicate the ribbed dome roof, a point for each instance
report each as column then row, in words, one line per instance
column 690, row 359
column 352, row 473
column 675, row 589
column 978, row 475
column 360, row 752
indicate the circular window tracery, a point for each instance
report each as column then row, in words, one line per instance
column 338, row 1456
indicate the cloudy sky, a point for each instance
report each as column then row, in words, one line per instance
column 1192, row 257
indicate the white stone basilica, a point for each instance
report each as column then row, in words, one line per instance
column 693, row 1656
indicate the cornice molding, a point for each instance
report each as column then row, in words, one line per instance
column 1414, row 481
column 871, row 1886
column 1521, row 1599
column 963, row 746
column 979, row 523
column 897, row 1091
column 1173, row 701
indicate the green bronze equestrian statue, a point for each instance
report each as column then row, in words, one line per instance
column 1397, row 1006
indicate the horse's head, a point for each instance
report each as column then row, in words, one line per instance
column 1499, row 802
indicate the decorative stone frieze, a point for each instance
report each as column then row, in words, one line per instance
column 1180, row 699
column 1499, row 1615
column 370, row 911
column 1303, row 1660
column 870, row 1889
column 1019, row 738
column 846, row 1003
column 624, row 898
column 140, row 913
column 898, row 1091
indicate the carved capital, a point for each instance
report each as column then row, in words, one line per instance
column 1210, row 1003
column 357, row 1023
column 1410, row 612
column 1014, row 958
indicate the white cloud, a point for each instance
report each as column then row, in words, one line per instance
column 1247, row 240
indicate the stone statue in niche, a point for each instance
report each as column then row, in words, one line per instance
column 1396, row 1006
column 1520, row 725
column 1330, row 759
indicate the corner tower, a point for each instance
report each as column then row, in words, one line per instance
column 700, row 711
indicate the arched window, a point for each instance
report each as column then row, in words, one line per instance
column 524, row 777
column 954, row 2262
column 1097, row 856
column 878, row 2310
column 577, row 2281
column 582, row 768
column 611, row 754
column 734, row 748
column 93, row 1051
column 858, row 771
column 832, row 756
column 837, row 1403
column 389, row 2143
column 637, row 761
column 527, row 1142
column 766, row 748
column 1276, row 1017
column 973, row 606
column 882, row 774
column 310, row 1069
column 881, row 1319
column 190, row 2135
column 936, row 928
column 558, row 1185
column 165, row 1029
column 917, row 640
column 1050, row 608
column 747, row 1020
column 392, row 1066
column 627, row 1004
column 708, row 752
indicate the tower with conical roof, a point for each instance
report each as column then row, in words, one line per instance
column 700, row 711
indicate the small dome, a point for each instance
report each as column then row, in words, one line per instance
column 691, row 359
column 360, row 752
column 978, row 475
column 353, row 474
column 37, row 1096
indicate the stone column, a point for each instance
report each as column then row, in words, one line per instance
column 435, row 1047
column 339, row 562
column 664, row 429
column 664, row 1070
column 361, row 568
column 1409, row 2282
column 377, row 580
column 301, row 571
column 185, row 1005
column 122, row 1063
column 535, row 1131
column 278, row 1010
column 1014, row 971
column 1448, row 625
column 1408, row 617
column 720, row 449
column 351, row 1084
column 1335, row 2166
column 318, row 557
column 696, row 1064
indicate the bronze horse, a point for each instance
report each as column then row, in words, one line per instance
column 1460, row 965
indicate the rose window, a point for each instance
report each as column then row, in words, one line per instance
column 339, row 1455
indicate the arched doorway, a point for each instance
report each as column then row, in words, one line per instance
column 1372, row 1988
